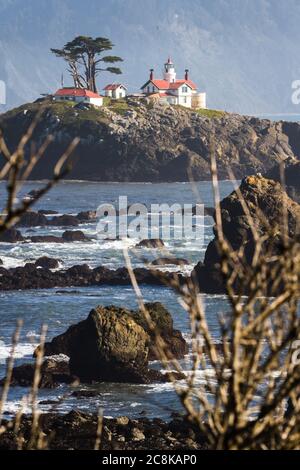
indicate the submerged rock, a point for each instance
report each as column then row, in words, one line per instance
column 86, row 216
column 11, row 235
column 54, row 370
column 74, row 236
column 151, row 243
column 48, row 263
column 175, row 261
column 64, row 221
column 33, row 219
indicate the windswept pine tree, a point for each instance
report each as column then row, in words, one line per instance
column 85, row 59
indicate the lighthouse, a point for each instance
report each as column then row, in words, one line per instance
column 174, row 91
column 170, row 74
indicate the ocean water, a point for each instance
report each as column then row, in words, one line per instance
column 59, row 309
column 295, row 117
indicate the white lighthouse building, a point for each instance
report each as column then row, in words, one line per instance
column 172, row 90
column 170, row 74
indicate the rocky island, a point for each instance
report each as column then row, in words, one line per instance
column 133, row 139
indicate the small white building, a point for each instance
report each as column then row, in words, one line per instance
column 173, row 91
column 78, row 95
column 115, row 91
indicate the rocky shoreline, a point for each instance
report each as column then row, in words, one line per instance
column 78, row 431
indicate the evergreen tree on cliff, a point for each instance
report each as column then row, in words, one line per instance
column 85, row 59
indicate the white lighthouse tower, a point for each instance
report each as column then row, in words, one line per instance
column 169, row 74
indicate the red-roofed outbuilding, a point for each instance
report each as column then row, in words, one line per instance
column 78, row 95
column 115, row 90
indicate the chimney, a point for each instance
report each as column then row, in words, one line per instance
column 151, row 74
column 186, row 76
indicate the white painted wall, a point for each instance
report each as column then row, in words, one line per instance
column 185, row 100
column 170, row 74
column 199, row 100
column 81, row 99
column 94, row 101
column 120, row 92
column 116, row 94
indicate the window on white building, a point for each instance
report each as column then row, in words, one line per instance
column 184, row 89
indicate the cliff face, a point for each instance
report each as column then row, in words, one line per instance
column 138, row 141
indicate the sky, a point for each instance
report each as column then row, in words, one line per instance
column 244, row 53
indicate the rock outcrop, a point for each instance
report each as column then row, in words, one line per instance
column 32, row 277
column 139, row 141
column 176, row 345
column 266, row 201
column 165, row 261
column 32, row 219
column 47, row 263
column 150, row 243
column 291, row 175
column 11, row 235
column 54, row 371
column 74, row 236
column 115, row 344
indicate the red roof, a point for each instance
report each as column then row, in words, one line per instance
column 76, row 92
column 113, row 86
column 165, row 85
column 178, row 83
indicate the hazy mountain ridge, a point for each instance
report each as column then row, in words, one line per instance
column 243, row 54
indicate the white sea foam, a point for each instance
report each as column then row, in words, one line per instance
column 21, row 350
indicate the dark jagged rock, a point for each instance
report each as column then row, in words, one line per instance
column 209, row 211
column 11, row 235
column 31, row 277
column 32, row 219
column 48, row 263
column 45, row 239
column 53, row 372
column 86, row 216
column 291, row 175
column 151, row 143
column 78, row 430
column 175, row 261
column 74, row 236
column 47, row 212
column 85, row 393
column 1, row 262
column 265, row 200
column 151, row 243
column 65, row 220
